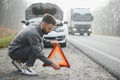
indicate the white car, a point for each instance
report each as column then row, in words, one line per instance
column 59, row 33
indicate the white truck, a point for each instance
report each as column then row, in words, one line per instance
column 79, row 21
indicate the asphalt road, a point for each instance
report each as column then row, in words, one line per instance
column 102, row 49
column 81, row 68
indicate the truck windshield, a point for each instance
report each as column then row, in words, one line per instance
column 82, row 17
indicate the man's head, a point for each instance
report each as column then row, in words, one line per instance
column 47, row 24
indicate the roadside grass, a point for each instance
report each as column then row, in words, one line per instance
column 5, row 31
column 6, row 35
column 5, row 41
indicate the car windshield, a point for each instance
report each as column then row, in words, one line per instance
column 37, row 21
column 82, row 17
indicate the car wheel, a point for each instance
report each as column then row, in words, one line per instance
column 64, row 44
column 88, row 34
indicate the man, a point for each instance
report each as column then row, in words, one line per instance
column 28, row 46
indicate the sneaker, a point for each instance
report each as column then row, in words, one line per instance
column 17, row 65
column 29, row 72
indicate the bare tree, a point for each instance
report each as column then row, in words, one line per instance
column 12, row 12
column 107, row 19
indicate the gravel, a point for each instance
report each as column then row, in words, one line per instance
column 82, row 68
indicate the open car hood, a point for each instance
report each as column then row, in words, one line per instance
column 39, row 9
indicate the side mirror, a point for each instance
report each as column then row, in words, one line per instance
column 65, row 22
column 92, row 18
column 61, row 24
column 23, row 22
column 27, row 23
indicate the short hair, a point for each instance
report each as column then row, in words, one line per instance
column 49, row 19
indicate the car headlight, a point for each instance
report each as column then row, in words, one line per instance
column 59, row 30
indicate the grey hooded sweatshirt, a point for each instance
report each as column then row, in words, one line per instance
column 32, row 37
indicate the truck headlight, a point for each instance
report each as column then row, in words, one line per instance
column 89, row 30
column 74, row 29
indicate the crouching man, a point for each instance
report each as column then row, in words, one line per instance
column 28, row 46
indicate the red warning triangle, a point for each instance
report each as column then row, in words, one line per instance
column 57, row 49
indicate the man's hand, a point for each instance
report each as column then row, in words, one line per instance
column 54, row 42
column 55, row 66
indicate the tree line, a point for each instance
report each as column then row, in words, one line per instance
column 107, row 19
column 12, row 12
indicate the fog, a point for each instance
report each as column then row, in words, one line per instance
column 106, row 13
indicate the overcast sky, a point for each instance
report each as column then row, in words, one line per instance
column 65, row 5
